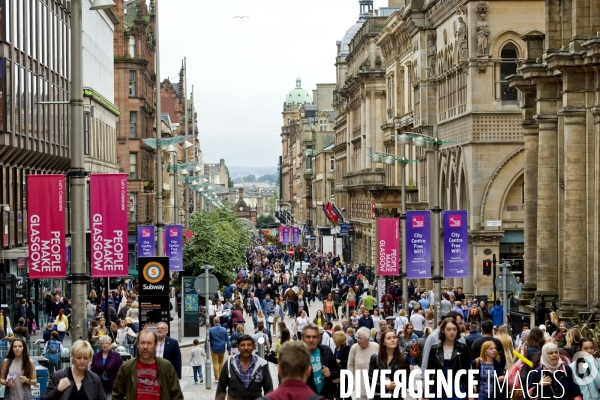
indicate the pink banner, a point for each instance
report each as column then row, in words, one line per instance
column 46, row 226
column 388, row 246
column 108, row 225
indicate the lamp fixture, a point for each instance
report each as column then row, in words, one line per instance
column 186, row 145
column 376, row 158
column 171, row 149
column 102, row 4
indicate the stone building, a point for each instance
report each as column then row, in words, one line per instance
column 243, row 210
column 560, row 96
column 134, row 86
column 436, row 69
column 307, row 130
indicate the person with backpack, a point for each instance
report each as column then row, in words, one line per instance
column 407, row 340
column 235, row 336
column 52, row 351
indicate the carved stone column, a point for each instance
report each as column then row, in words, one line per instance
column 531, row 201
column 363, row 129
column 368, row 148
column 547, row 207
column 349, row 151
column 574, row 285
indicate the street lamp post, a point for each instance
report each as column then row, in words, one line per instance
column 160, row 226
column 186, row 146
column 173, row 153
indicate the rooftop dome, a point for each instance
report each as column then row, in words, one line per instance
column 366, row 7
column 298, row 95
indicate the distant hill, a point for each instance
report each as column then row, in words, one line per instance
column 235, row 172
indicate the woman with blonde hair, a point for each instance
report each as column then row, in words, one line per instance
column 573, row 338
column 507, row 344
column 351, row 299
column 489, row 369
column 134, row 314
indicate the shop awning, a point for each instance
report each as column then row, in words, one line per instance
column 133, row 273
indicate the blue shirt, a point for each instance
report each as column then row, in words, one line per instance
column 317, row 367
column 424, row 304
column 246, row 376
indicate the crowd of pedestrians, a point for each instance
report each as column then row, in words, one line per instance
column 312, row 350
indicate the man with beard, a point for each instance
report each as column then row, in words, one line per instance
column 244, row 375
column 168, row 348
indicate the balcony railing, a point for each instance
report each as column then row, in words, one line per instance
column 365, row 179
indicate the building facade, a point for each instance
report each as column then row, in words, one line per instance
column 435, row 69
column 134, row 83
column 560, row 96
column 34, row 138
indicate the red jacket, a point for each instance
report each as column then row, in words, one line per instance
column 291, row 389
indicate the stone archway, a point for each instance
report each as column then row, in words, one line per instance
column 500, row 184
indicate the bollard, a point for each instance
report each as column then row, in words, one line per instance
column 208, row 373
column 261, row 347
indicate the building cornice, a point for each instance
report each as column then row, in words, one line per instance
column 91, row 93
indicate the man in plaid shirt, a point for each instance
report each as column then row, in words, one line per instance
column 244, row 376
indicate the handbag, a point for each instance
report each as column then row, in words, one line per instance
column 104, row 377
column 272, row 357
column 260, row 314
column 513, row 375
column 61, row 326
column 270, row 319
column 130, row 340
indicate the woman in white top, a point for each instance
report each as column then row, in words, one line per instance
column 301, row 321
column 418, row 321
column 401, row 320
column 134, row 314
column 122, row 334
column 376, row 319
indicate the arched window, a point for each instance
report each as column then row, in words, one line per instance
column 507, row 68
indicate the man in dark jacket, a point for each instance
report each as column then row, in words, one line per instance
column 255, row 383
column 300, row 305
column 325, row 369
column 366, row 321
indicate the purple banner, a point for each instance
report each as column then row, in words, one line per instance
column 146, row 241
column 418, row 244
column 286, row 235
column 456, row 244
column 174, row 247
column 295, row 236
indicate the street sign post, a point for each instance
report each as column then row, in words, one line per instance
column 507, row 283
column 291, row 252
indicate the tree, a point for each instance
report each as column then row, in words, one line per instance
column 264, row 220
column 219, row 240
column 229, row 180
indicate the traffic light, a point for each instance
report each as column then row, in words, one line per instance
column 487, row 267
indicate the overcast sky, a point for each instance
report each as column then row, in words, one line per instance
column 242, row 69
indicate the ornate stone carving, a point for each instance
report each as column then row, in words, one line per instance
column 482, row 7
column 483, row 35
column 431, row 50
column 462, row 39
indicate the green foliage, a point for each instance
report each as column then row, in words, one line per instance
column 264, row 220
column 272, row 202
column 269, row 178
column 229, row 180
column 219, row 240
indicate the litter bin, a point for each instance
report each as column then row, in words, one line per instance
column 38, row 390
column 65, row 358
column 125, row 356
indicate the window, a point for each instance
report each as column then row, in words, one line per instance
column 132, row 207
column 86, row 134
column 132, row 165
column 508, row 67
column 133, row 125
column 323, row 125
column 132, row 46
column 332, row 163
column 131, row 83
column 332, row 189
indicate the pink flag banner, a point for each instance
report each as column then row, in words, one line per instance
column 388, row 246
column 46, row 203
column 108, row 225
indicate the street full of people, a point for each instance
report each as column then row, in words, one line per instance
column 381, row 332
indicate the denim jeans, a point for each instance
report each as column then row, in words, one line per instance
column 290, row 307
column 197, row 372
column 255, row 318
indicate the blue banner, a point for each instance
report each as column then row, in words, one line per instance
column 174, row 247
column 286, row 235
column 418, row 244
column 456, row 244
column 295, row 236
column 146, row 241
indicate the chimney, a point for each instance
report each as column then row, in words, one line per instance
column 241, row 191
column 222, row 162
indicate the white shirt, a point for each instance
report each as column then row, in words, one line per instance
column 418, row 322
column 160, row 348
column 399, row 324
column 328, row 341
